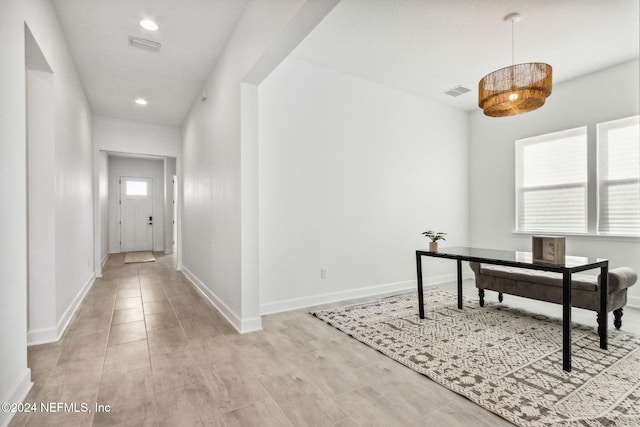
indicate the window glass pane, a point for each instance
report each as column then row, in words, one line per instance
column 619, row 177
column 551, row 182
column 622, row 153
column 620, row 208
column 558, row 161
column 136, row 188
column 554, row 210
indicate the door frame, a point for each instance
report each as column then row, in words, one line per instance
column 174, row 206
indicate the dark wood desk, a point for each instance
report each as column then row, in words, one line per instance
column 571, row 265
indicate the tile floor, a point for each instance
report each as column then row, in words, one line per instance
column 148, row 345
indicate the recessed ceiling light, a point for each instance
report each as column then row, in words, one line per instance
column 148, row 24
column 141, row 101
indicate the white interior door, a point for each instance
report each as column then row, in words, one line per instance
column 136, row 214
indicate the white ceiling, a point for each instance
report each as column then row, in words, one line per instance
column 114, row 74
column 420, row 46
column 428, row 46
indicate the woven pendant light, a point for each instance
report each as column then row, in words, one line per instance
column 517, row 89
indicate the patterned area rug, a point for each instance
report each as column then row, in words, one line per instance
column 506, row 360
column 145, row 256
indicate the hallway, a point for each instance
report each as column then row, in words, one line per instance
column 148, row 345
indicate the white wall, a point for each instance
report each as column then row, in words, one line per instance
column 351, row 173
column 102, row 191
column 140, row 168
column 126, row 136
column 602, row 96
column 15, row 378
column 74, row 191
column 73, row 206
column 211, row 182
column 68, row 175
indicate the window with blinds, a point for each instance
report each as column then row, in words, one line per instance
column 619, row 177
column 551, row 182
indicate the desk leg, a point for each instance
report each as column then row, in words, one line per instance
column 420, row 293
column 602, row 316
column 459, row 284
column 566, row 321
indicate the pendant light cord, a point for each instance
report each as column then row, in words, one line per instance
column 513, row 43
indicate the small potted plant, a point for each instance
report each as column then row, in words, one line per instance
column 434, row 237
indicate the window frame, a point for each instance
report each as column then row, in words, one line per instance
column 520, row 190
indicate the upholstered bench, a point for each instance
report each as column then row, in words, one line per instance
column 547, row 286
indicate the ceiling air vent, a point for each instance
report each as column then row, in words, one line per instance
column 457, row 91
column 144, row 44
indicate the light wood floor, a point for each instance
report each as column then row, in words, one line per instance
column 146, row 343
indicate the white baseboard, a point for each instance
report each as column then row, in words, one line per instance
column 255, row 324
column 47, row 335
column 104, row 260
column 310, row 301
column 369, row 291
column 42, row 336
column 70, row 311
column 633, row 302
column 241, row 325
column 19, row 391
column 102, row 263
column 252, row 324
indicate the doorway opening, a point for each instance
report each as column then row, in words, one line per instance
column 40, row 144
column 136, row 207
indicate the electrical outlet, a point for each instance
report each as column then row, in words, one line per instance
column 323, row 273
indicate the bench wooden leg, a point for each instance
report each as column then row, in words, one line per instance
column 617, row 318
column 599, row 321
column 481, row 296
column 500, row 298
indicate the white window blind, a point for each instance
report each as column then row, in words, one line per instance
column 619, row 177
column 551, row 182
